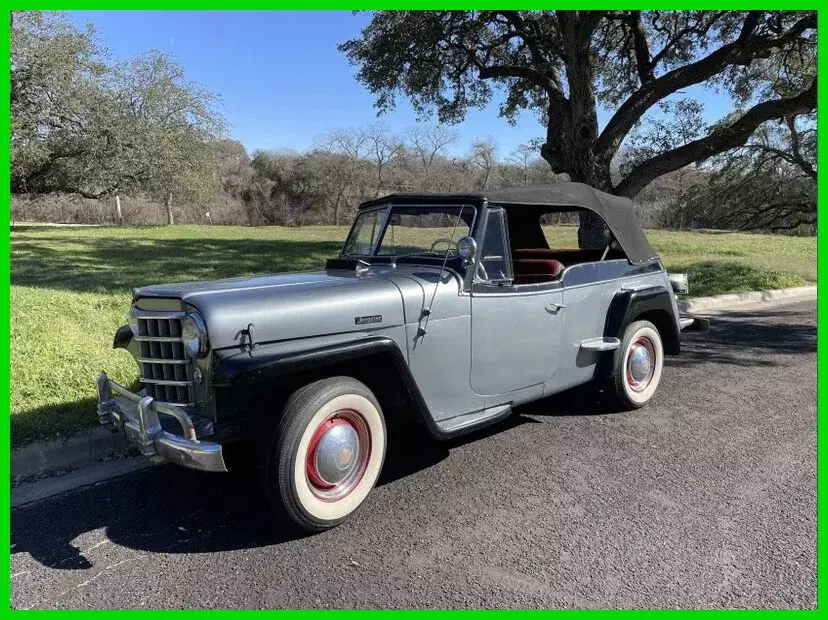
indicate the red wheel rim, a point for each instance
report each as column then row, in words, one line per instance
column 338, row 455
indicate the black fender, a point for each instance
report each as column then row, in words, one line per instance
column 234, row 369
column 656, row 302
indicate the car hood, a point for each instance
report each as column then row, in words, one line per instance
column 288, row 306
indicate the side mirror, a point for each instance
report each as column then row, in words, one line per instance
column 467, row 249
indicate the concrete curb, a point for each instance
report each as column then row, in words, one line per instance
column 85, row 476
column 66, row 453
column 734, row 300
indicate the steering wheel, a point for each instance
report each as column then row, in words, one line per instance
column 450, row 242
column 481, row 271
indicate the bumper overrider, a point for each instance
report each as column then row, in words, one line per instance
column 137, row 417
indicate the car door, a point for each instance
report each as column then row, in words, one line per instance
column 516, row 329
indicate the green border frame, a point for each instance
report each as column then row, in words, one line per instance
column 822, row 240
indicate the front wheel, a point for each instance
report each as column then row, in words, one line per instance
column 637, row 365
column 326, row 454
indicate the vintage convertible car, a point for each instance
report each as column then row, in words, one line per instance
column 457, row 307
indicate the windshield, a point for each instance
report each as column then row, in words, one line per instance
column 364, row 234
column 410, row 231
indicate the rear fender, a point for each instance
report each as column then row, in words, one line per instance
column 654, row 304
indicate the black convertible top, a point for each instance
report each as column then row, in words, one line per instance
column 616, row 211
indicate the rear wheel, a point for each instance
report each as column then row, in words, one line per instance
column 637, row 365
column 326, row 454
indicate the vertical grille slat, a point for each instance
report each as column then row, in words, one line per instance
column 164, row 366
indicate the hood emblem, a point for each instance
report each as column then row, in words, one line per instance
column 367, row 320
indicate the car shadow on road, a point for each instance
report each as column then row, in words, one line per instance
column 168, row 509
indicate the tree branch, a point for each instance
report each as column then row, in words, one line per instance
column 673, row 39
column 632, row 20
column 535, row 77
column 642, row 49
column 742, row 51
column 723, row 139
column 796, row 149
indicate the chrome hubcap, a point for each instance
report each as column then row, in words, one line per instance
column 338, row 455
column 640, row 364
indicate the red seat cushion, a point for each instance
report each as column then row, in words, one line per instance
column 534, row 270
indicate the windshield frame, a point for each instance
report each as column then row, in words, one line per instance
column 352, row 232
column 389, row 209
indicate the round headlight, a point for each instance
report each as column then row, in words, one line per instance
column 466, row 248
column 194, row 336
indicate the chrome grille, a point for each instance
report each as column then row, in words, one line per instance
column 164, row 365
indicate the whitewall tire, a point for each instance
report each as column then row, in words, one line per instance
column 327, row 453
column 637, row 365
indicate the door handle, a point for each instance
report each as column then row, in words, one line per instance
column 553, row 307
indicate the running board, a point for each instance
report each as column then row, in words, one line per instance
column 600, row 344
column 468, row 422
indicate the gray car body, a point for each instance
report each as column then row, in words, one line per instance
column 470, row 350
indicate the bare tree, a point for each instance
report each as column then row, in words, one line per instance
column 347, row 149
column 522, row 158
column 484, row 157
column 384, row 150
column 427, row 143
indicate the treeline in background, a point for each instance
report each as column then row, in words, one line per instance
column 134, row 142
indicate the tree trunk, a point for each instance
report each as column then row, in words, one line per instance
column 379, row 180
column 168, row 207
column 572, row 129
column 118, row 211
column 486, row 178
column 336, row 208
column 581, row 166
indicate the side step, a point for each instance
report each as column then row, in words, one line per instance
column 600, row 344
column 468, row 422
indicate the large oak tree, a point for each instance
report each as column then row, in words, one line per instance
column 565, row 64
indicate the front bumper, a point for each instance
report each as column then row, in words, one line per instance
column 137, row 417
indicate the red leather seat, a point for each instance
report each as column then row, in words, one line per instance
column 536, row 270
column 542, row 253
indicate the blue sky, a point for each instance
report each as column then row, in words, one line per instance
column 282, row 80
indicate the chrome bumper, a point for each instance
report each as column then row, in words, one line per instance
column 694, row 323
column 137, row 416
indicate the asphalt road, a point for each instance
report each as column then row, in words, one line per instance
column 706, row 498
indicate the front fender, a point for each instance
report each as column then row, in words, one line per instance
column 265, row 362
column 269, row 362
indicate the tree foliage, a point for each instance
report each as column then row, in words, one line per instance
column 564, row 65
column 769, row 184
column 81, row 124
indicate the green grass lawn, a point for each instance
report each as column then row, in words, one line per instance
column 71, row 290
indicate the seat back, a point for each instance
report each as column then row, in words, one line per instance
column 536, row 270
